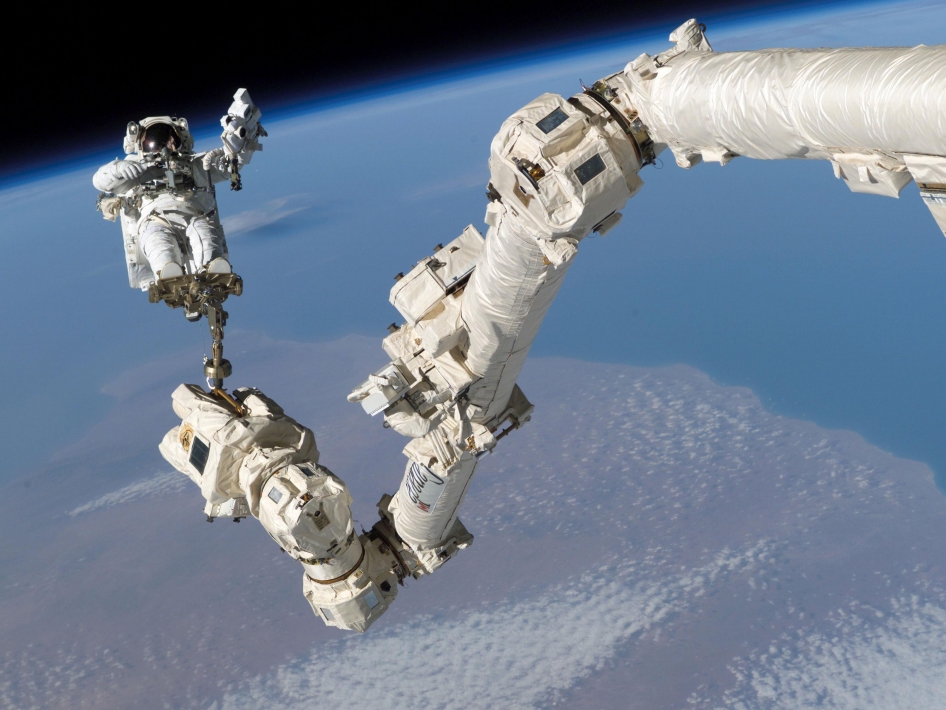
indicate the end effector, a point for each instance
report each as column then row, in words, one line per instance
column 250, row 459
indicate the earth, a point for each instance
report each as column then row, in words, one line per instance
column 726, row 498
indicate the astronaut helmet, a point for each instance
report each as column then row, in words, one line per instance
column 155, row 133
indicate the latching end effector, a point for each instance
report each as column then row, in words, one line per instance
column 250, row 459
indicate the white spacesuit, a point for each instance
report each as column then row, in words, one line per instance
column 164, row 193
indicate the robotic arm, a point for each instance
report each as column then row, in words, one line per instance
column 561, row 169
column 120, row 176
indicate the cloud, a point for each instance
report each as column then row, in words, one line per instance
column 514, row 654
column 474, row 178
column 867, row 659
column 161, row 484
column 274, row 211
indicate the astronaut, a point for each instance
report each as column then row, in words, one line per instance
column 164, row 194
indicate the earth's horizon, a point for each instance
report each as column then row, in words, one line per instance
column 725, row 498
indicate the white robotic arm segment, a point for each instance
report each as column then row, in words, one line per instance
column 357, row 600
column 877, row 113
column 249, row 458
column 307, row 510
column 349, row 580
column 559, row 170
column 563, row 166
column 792, row 103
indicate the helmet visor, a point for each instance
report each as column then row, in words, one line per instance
column 158, row 136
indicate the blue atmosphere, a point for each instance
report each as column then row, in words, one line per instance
column 830, row 306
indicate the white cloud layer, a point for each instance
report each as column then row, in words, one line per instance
column 515, row 654
column 160, row 484
column 869, row 660
column 272, row 212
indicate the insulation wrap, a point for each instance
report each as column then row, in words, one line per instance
column 794, row 103
column 505, row 302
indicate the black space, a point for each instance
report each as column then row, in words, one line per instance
column 76, row 85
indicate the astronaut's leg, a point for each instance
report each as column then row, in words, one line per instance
column 160, row 246
column 208, row 244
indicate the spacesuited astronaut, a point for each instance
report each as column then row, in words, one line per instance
column 164, row 194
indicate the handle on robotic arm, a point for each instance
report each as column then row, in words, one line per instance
column 250, row 459
column 874, row 112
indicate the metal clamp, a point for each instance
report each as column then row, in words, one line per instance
column 643, row 146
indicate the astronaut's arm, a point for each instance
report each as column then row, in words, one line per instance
column 241, row 138
column 120, row 175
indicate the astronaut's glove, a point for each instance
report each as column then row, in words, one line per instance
column 129, row 169
column 216, row 158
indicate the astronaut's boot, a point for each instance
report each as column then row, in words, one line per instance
column 219, row 266
column 171, row 270
column 217, row 274
column 169, row 286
